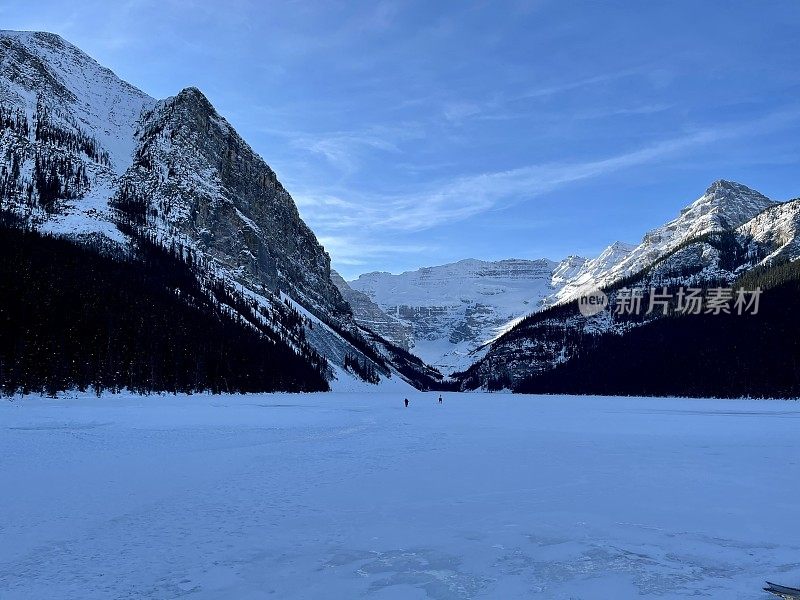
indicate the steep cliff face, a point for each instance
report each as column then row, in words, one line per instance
column 370, row 316
column 86, row 155
column 195, row 176
column 453, row 309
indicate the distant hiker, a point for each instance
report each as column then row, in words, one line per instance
column 406, row 401
column 440, row 398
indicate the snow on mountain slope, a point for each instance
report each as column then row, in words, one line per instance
column 724, row 206
column 84, row 153
column 567, row 270
column 370, row 316
column 38, row 64
column 65, row 107
column 455, row 308
column 575, row 280
column 777, row 229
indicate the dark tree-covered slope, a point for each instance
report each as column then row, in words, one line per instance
column 74, row 316
column 695, row 355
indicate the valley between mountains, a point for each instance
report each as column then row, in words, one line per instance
column 113, row 202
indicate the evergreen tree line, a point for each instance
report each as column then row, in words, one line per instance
column 363, row 369
column 56, row 174
column 535, row 343
column 73, row 318
column 12, row 189
column 58, row 178
column 14, row 119
column 132, row 207
column 411, row 367
column 359, row 343
column 279, row 322
column 726, row 355
column 14, row 127
column 75, row 140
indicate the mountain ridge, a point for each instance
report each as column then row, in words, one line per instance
column 716, row 255
column 724, row 206
column 87, row 155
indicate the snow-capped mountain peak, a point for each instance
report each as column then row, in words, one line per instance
column 567, row 269
column 456, row 307
column 724, row 206
column 91, row 157
column 76, row 87
column 585, row 277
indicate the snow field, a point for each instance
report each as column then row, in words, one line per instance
column 349, row 495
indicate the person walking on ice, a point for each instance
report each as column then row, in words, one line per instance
column 406, row 401
column 440, row 398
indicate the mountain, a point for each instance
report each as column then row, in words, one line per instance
column 725, row 355
column 167, row 193
column 80, row 316
column 456, row 310
column 89, row 157
column 581, row 274
column 453, row 309
column 730, row 237
column 724, row 206
column 370, row 316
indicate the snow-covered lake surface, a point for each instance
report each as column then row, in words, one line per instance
column 340, row 496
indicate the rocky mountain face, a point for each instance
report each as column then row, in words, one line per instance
column 730, row 235
column 193, row 176
column 88, row 156
column 457, row 310
column 724, row 206
column 453, row 309
column 370, row 316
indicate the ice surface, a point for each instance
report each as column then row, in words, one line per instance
column 352, row 496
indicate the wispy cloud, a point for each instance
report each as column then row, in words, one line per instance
column 505, row 106
column 343, row 149
column 456, row 111
column 465, row 197
column 575, row 84
column 353, row 251
column 346, row 150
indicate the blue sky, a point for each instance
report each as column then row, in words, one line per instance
column 419, row 133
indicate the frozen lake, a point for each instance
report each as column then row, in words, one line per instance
column 341, row 496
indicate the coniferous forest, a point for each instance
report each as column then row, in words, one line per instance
column 725, row 355
column 75, row 316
